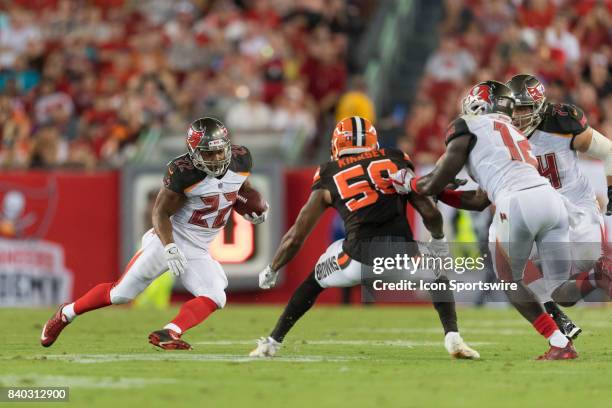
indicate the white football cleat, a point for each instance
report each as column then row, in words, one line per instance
column 457, row 348
column 266, row 347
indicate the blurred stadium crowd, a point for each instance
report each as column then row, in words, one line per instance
column 81, row 82
column 566, row 43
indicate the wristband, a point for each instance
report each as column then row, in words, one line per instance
column 451, row 197
column 413, row 184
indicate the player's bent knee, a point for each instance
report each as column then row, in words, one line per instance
column 119, row 298
column 216, row 296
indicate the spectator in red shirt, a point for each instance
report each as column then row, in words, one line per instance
column 537, row 14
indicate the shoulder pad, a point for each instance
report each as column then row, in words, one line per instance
column 242, row 161
column 395, row 153
column 564, row 119
column 320, row 175
column 181, row 174
column 458, row 127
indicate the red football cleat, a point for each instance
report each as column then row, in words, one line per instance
column 557, row 353
column 53, row 327
column 603, row 274
column 168, row 340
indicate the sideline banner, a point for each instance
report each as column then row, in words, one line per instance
column 58, row 235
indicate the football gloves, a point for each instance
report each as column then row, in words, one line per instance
column 255, row 219
column 267, row 278
column 439, row 247
column 175, row 258
column 401, row 180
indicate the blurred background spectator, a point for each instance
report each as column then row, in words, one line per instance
column 566, row 43
column 100, row 83
column 86, row 84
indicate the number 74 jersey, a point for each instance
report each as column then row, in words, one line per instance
column 500, row 158
column 552, row 144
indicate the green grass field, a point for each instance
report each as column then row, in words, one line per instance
column 354, row 357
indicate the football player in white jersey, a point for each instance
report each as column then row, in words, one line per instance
column 498, row 157
column 195, row 202
column 556, row 133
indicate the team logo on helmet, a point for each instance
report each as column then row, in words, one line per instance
column 194, row 137
column 536, row 92
column 481, row 91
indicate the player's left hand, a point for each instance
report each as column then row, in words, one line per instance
column 255, row 219
column 267, row 278
column 177, row 263
column 609, row 208
column 439, row 247
column 401, row 180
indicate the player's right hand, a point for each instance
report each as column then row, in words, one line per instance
column 439, row 247
column 455, row 184
column 175, row 258
column 401, row 180
column 267, row 278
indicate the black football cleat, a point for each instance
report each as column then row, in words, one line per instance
column 168, row 340
column 565, row 324
column 54, row 326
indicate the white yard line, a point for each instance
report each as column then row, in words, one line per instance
column 383, row 343
column 187, row 356
column 464, row 330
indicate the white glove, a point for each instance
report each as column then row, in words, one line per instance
column 439, row 247
column 267, row 278
column 255, row 219
column 401, row 180
column 175, row 258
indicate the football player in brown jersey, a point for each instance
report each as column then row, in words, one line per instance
column 356, row 183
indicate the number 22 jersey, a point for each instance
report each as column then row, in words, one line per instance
column 209, row 199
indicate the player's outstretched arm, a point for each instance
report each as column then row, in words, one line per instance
column 446, row 169
column 471, row 200
column 308, row 217
column 598, row 146
column 167, row 203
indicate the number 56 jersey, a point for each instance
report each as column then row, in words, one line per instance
column 209, row 200
column 363, row 194
column 500, row 158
